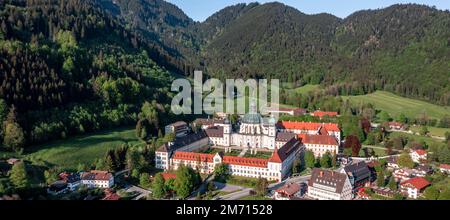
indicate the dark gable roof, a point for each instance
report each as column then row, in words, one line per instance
column 359, row 171
column 216, row 131
column 285, row 136
column 182, row 141
column 328, row 178
column 178, row 124
column 287, row 149
column 208, row 121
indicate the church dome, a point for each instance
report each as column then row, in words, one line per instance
column 252, row 118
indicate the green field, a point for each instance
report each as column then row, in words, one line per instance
column 67, row 154
column 306, row 89
column 395, row 105
column 440, row 132
column 378, row 152
column 430, row 141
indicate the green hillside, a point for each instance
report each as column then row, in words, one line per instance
column 67, row 154
column 395, row 105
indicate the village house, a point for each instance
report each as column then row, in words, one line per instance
column 287, row 111
column 111, row 195
column 362, row 194
column 288, row 191
column 329, row 185
column 414, row 187
column 445, row 168
column 418, row 156
column 392, row 162
column 422, row 170
column 396, row 126
column 358, row 174
column 321, row 114
column 383, row 191
column 97, row 179
column 67, row 182
column 403, row 174
column 73, row 180
column 179, row 128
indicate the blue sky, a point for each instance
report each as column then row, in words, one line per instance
column 199, row 10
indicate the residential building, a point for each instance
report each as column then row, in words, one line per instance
column 359, row 175
column 287, row 111
column 321, row 114
column 396, row 126
column 414, row 187
column 403, row 174
column 382, row 191
column 288, row 191
column 392, row 162
column 311, row 128
column 179, row 128
column 72, row 180
column 189, row 142
column 422, row 170
column 320, row 144
column 418, row 156
column 97, row 179
column 329, row 185
column 445, row 168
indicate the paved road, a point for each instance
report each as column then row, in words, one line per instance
column 142, row 192
column 235, row 195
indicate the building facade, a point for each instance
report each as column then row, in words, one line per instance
column 274, row 168
column 329, row 185
column 97, row 179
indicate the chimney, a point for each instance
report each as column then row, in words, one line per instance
column 321, row 174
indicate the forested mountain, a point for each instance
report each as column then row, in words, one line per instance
column 69, row 67
column 403, row 48
column 162, row 23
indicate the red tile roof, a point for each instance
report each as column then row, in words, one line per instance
column 275, row 158
column 317, row 139
column 416, row 182
column 394, row 123
column 243, row 161
column 192, row 156
column 96, row 175
column 308, row 125
column 289, row 189
column 444, row 166
column 168, row 176
column 321, row 114
column 421, row 152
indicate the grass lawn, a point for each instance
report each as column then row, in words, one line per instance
column 242, row 181
column 67, row 154
column 378, row 152
column 394, row 105
column 262, row 155
column 428, row 140
column 306, row 89
column 434, row 131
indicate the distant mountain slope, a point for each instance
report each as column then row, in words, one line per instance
column 162, row 23
column 403, row 48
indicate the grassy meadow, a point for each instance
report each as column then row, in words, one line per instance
column 394, row 105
